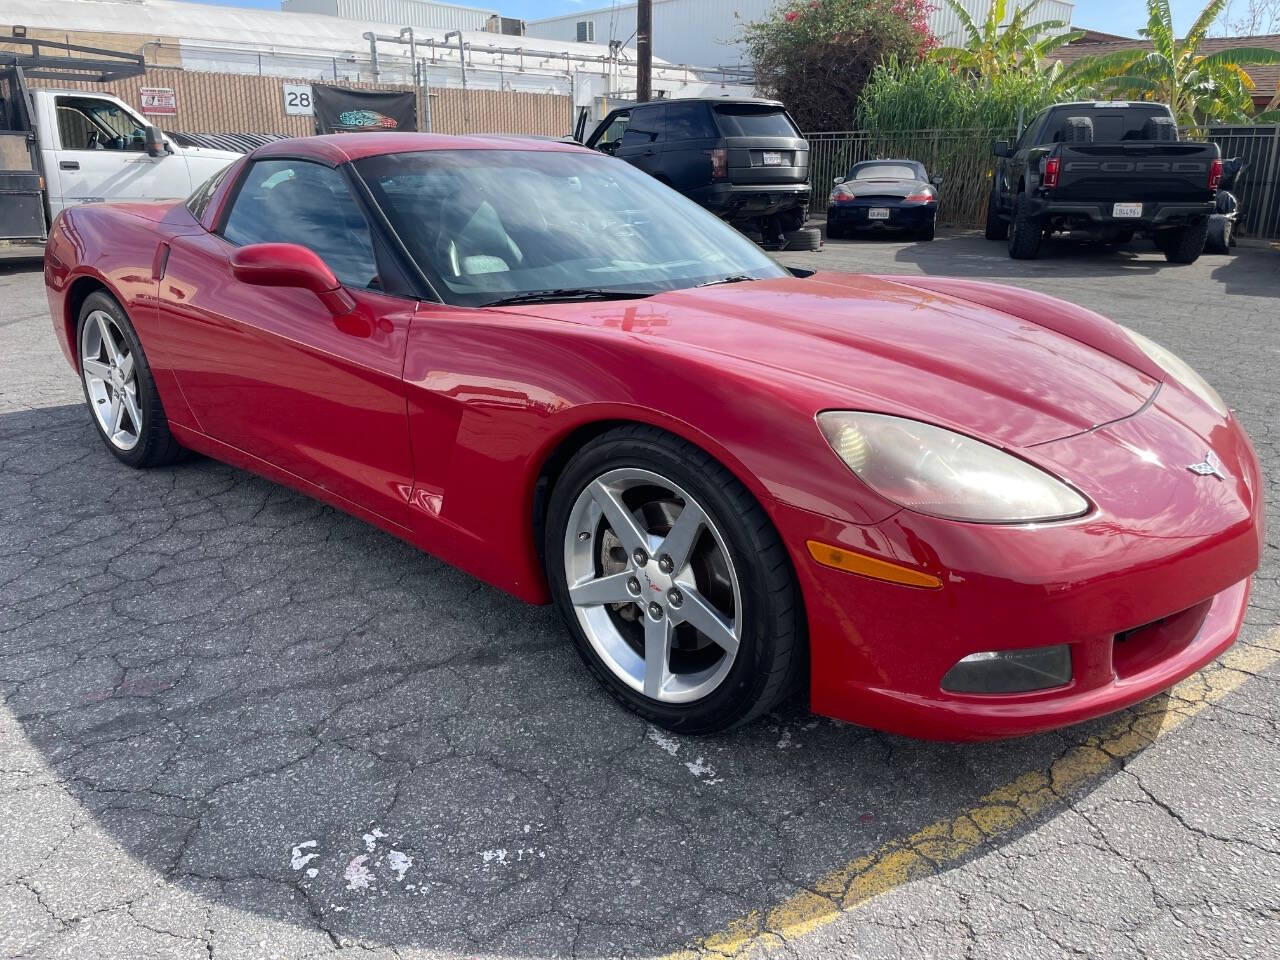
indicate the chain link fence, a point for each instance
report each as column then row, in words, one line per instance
column 964, row 160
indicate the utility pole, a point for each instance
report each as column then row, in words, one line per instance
column 644, row 50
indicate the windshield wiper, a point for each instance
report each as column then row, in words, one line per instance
column 565, row 294
column 739, row 278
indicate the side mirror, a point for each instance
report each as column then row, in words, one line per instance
column 1001, row 148
column 936, row 179
column 291, row 265
column 838, row 180
column 154, row 143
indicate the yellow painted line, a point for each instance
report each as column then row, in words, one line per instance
column 943, row 843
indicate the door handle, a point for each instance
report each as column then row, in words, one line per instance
column 69, row 165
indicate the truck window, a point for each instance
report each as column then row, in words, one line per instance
column 749, row 120
column 617, row 127
column 690, row 121
column 1109, row 123
column 87, row 123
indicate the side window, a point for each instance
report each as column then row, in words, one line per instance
column 690, row 121
column 295, row 201
column 645, row 127
column 87, row 123
column 198, row 202
column 613, row 133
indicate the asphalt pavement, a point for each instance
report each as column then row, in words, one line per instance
column 239, row 724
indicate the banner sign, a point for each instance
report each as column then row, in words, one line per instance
column 158, row 101
column 343, row 110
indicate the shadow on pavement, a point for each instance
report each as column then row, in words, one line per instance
column 285, row 711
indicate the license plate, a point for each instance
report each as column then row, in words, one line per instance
column 771, row 158
column 878, row 213
column 1127, row 210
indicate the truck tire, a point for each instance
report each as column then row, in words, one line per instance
column 1184, row 244
column 997, row 226
column 1078, row 130
column 1220, row 235
column 1024, row 232
column 808, row 239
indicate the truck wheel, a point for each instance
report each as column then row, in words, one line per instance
column 997, row 226
column 1219, row 239
column 807, row 239
column 1185, row 244
column 1024, row 232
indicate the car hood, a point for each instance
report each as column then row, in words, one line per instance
column 877, row 344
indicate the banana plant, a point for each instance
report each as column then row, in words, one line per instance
column 1198, row 87
column 995, row 48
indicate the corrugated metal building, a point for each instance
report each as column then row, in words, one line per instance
column 409, row 13
column 706, row 32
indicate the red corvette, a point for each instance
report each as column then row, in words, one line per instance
column 950, row 509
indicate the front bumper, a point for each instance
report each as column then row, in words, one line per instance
column 1155, row 214
column 854, row 216
column 742, row 201
column 1145, row 589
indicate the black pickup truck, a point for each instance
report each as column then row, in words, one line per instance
column 1107, row 169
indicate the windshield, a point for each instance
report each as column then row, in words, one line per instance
column 748, row 120
column 885, row 171
column 485, row 225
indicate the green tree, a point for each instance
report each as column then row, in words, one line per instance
column 1197, row 87
column 994, row 48
column 816, row 55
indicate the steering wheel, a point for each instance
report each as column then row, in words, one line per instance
column 94, row 139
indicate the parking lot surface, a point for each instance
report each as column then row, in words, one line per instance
column 237, row 723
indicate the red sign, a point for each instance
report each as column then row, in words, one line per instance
column 159, row 100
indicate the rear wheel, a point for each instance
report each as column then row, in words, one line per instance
column 119, row 388
column 925, row 233
column 1025, row 233
column 1184, row 244
column 673, row 582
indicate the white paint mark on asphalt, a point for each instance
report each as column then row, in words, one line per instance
column 311, row 872
column 371, row 839
column 784, row 741
column 703, row 771
column 504, row 857
column 357, row 874
column 665, row 741
column 298, row 859
column 399, row 863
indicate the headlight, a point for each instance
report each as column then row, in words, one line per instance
column 1179, row 369
column 944, row 474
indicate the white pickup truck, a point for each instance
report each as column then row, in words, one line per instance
column 60, row 148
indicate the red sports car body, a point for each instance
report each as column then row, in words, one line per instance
column 449, row 424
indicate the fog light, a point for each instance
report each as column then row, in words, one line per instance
column 1010, row 671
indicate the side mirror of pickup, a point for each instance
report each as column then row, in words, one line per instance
column 154, row 143
column 1001, row 148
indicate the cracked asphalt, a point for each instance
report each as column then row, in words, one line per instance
column 237, row 723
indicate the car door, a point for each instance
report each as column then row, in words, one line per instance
column 642, row 141
column 690, row 136
column 270, row 370
column 607, row 137
column 101, row 156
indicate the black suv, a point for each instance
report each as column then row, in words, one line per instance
column 742, row 159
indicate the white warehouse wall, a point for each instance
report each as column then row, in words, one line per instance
column 408, row 13
column 706, row 33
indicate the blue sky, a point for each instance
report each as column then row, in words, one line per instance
column 1109, row 16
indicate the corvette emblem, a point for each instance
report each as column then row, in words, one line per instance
column 1211, row 466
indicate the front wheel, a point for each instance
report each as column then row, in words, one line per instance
column 119, row 388
column 673, row 582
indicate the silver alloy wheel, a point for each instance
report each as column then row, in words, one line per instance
column 111, row 380
column 653, row 585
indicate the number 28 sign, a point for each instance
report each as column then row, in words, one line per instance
column 297, row 100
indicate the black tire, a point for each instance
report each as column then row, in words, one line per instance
column 771, row 661
column 1184, row 244
column 925, row 233
column 1025, row 233
column 997, row 226
column 809, row 238
column 156, row 446
column 1220, row 235
column 836, row 232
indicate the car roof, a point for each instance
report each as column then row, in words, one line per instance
column 749, row 101
column 338, row 148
